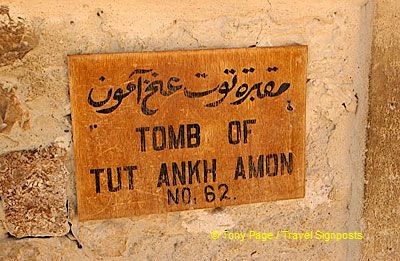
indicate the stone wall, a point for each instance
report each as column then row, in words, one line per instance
column 382, row 188
column 36, row 173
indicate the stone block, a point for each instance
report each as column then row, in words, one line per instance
column 32, row 188
column 17, row 39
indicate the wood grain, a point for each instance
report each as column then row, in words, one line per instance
column 167, row 131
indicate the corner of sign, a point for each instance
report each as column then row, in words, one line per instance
column 303, row 192
column 304, row 48
column 71, row 57
column 300, row 48
column 300, row 194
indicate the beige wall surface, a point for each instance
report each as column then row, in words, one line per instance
column 36, row 163
column 382, row 189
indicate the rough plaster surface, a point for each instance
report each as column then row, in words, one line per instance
column 16, row 38
column 338, row 36
column 382, row 189
column 32, row 188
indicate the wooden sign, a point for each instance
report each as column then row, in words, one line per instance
column 166, row 131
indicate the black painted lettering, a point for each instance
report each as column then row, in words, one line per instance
column 246, row 129
column 275, row 163
column 193, row 135
column 186, row 199
column 130, row 170
column 161, row 130
column 224, row 189
column 96, row 173
column 163, row 177
column 256, row 171
column 213, row 170
column 176, row 172
column 193, row 170
column 209, row 193
column 111, row 187
column 174, row 140
column 173, row 198
column 234, row 132
column 288, row 164
column 142, row 131
column 240, row 172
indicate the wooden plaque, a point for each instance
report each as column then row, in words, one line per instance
column 156, row 132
